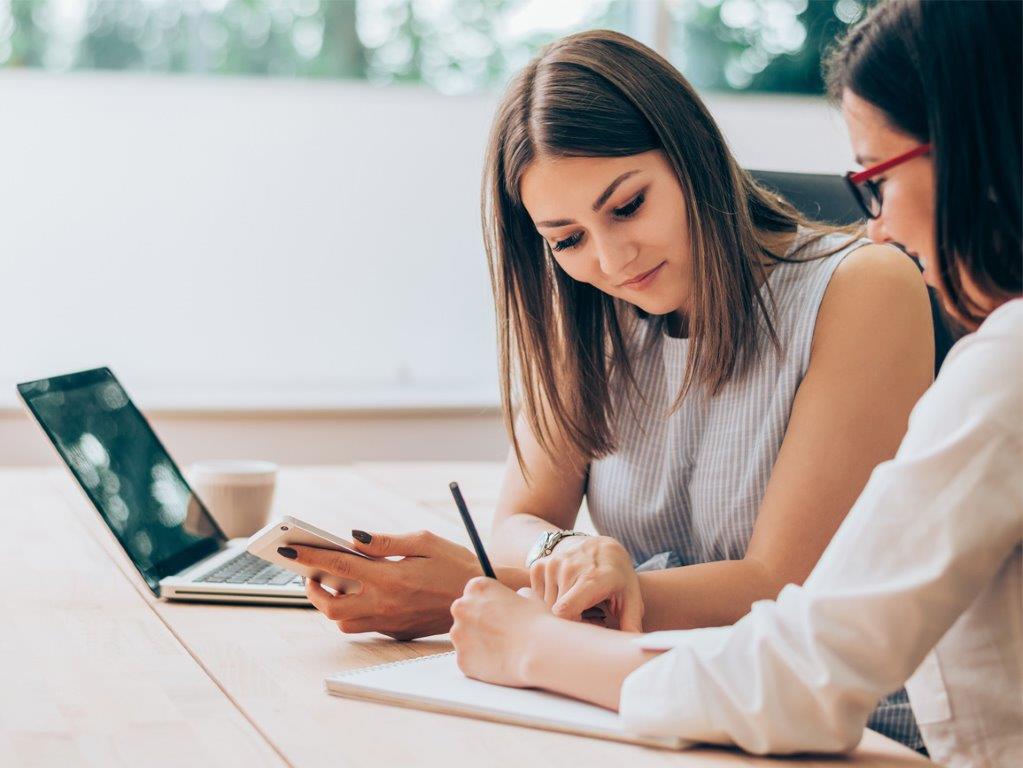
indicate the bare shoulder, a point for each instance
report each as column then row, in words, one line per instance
column 876, row 273
column 876, row 295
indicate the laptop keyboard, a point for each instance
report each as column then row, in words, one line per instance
column 249, row 569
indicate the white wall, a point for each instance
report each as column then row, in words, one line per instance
column 244, row 242
column 252, row 244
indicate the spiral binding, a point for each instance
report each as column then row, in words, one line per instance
column 388, row 665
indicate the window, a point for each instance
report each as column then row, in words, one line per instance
column 219, row 197
column 454, row 46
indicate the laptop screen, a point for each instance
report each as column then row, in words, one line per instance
column 125, row 470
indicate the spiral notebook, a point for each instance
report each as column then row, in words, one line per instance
column 436, row 684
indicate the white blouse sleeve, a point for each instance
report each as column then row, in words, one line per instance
column 930, row 529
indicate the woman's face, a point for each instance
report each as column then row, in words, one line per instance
column 617, row 223
column 907, row 210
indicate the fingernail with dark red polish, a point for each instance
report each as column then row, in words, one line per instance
column 287, row 552
column 362, row 536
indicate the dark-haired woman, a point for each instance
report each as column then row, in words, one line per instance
column 922, row 582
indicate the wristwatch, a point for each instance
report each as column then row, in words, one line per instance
column 546, row 542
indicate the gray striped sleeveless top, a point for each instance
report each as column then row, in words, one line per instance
column 684, row 487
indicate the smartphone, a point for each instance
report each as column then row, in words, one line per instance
column 290, row 530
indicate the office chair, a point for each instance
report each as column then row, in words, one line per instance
column 826, row 198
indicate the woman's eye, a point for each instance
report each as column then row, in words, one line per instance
column 569, row 242
column 630, row 207
column 627, row 210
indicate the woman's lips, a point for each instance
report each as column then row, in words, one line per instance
column 642, row 281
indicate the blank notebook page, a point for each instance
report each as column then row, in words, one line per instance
column 436, row 684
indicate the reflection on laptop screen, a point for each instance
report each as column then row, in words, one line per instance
column 125, row 470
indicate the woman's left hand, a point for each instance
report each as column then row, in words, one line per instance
column 587, row 571
column 493, row 630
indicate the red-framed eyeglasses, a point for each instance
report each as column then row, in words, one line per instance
column 867, row 191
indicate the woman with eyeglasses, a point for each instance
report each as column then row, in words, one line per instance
column 922, row 583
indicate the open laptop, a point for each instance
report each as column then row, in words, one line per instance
column 140, row 493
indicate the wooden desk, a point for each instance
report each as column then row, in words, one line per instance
column 95, row 671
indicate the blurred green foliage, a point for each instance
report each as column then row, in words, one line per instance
column 452, row 45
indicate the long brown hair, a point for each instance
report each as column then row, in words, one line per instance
column 602, row 94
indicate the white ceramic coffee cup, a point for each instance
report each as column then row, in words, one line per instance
column 239, row 494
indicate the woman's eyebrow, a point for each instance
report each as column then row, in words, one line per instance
column 597, row 205
column 611, row 189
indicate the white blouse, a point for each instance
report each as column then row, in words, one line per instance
column 923, row 582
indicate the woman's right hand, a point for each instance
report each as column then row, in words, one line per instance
column 405, row 598
column 587, row 571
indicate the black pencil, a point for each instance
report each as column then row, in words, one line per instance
column 471, row 528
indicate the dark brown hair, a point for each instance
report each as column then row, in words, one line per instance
column 948, row 73
column 602, row 94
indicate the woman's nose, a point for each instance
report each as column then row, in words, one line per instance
column 613, row 256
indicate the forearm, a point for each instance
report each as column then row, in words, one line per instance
column 546, row 497
column 705, row 595
column 513, row 535
column 581, row 660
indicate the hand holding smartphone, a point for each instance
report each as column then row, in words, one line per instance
column 288, row 531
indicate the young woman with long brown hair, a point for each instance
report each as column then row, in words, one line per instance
column 922, row 582
column 716, row 376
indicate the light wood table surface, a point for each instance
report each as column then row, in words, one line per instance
column 96, row 671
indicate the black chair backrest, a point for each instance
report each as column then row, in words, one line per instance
column 826, row 198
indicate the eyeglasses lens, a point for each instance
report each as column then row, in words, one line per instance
column 870, row 195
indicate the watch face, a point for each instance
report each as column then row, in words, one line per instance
column 539, row 548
